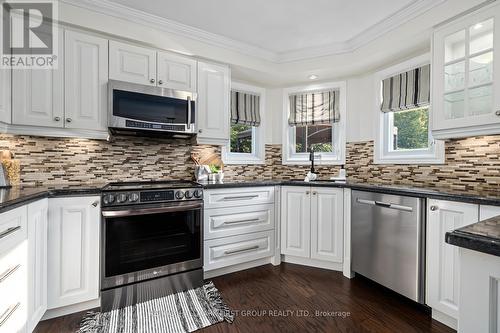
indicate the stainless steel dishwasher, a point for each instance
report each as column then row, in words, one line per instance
column 388, row 241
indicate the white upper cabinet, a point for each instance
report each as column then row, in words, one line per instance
column 73, row 251
column 466, row 76
column 214, row 89
column 132, row 63
column 443, row 270
column 176, row 72
column 5, row 97
column 38, row 95
column 327, row 224
column 86, row 78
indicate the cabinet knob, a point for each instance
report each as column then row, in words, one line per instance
column 434, row 208
column 68, row 120
column 497, row 112
column 57, row 118
column 314, row 193
column 200, row 131
column 307, row 192
column 160, row 82
column 95, row 203
column 152, row 80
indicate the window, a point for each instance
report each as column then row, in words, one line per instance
column 314, row 118
column 403, row 104
column 246, row 144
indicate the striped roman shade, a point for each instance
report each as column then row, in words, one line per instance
column 408, row 90
column 314, row 108
column 245, row 108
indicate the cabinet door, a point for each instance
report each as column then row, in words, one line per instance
column 132, row 63
column 5, row 96
column 296, row 221
column 486, row 212
column 37, row 261
column 73, row 251
column 443, row 270
column 38, row 95
column 86, row 78
column 327, row 224
column 466, row 74
column 176, row 72
column 213, row 104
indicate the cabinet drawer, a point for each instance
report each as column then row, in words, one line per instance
column 232, row 197
column 234, row 250
column 13, row 291
column 223, row 222
column 12, row 228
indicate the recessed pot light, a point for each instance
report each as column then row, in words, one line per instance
column 313, row 77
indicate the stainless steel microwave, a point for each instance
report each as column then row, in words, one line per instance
column 145, row 110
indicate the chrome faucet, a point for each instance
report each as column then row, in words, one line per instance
column 311, row 158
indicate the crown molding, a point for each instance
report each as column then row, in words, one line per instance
column 416, row 8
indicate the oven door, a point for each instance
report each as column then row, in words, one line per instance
column 140, row 107
column 148, row 241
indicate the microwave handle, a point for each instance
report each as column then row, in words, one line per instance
column 189, row 112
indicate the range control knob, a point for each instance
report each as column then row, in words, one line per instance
column 122, row 197
column 133, row 197
column 179, row 195
column 189, row 194
column 108, row 199
column 198, row 193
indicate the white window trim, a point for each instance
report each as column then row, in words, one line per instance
column 339, row 128
column 258, row 133
column 382, row 155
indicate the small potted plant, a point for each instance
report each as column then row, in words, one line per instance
column 216, row 174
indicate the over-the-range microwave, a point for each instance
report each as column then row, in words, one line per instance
column 137, row 109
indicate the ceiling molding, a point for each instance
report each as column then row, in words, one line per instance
column 107, row 7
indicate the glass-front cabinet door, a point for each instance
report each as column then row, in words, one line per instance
column 466, row 74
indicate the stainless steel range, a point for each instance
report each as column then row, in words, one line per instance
column 151, row 241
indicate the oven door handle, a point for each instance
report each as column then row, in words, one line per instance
column 154, row 210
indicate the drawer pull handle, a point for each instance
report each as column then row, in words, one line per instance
column 242, row 221
column 255, row 247
column 243, row 197
column 8, row 273
column 7, row 313
column 9, row 231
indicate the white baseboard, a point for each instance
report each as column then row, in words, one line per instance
column 445, row 319
column 238, row 267
column 66, row 310
column 334, row 266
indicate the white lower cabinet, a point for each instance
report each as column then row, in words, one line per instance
column 443, row 267
column 239, row 228
column 37, row 261
column 73, row 251
column 228, row 251
column 13, row 271
column 312, row 220
column 486, row 212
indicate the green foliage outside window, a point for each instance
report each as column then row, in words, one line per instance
column 412, row 129
column 241, row 138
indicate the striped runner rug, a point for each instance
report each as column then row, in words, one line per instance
column 186, row 311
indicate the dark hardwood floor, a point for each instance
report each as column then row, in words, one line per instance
column 263, row 295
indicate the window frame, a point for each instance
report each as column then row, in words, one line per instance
column 258, row 146
column 435, row 154
column 289, row 157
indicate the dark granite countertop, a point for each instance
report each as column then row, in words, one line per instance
column 483, row 236
column 19, row 195
column 16, row 196
column 443, row 193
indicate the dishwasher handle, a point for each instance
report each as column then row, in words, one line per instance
column 384, row 205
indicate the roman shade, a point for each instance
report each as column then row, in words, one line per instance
column 408, row 90
column 245, row 108
column 314, row 108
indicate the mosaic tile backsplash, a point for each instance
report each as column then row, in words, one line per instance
column 472, row 163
